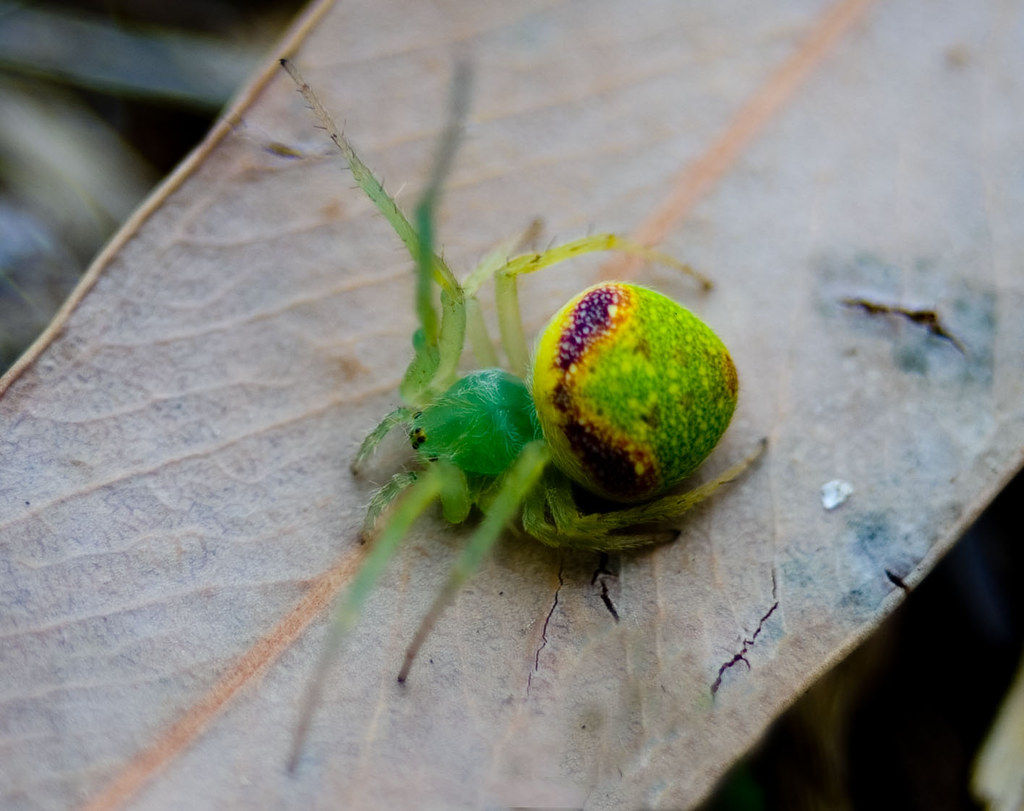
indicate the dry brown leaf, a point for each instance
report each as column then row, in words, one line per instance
column 173, row 455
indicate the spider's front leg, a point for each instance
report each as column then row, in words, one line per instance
column 400, row 416
column 438, row 347
column 407, row 498
column 516, row 486
column 437, row 343
column 382, row 499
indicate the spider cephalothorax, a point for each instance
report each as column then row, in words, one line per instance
column 628, row 392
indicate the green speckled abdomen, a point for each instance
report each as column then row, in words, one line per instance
column 632, row 390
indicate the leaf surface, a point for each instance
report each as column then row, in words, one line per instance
column 175, row 502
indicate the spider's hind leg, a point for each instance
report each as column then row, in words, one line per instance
column 554, row 519
column 551, row 516
column 660, row 511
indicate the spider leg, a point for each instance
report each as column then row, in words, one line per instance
column 506, row 293
column 451, row 340
column 454, row 495
column 383, row 498
column 479, row 338
column 560, row 501
column 368, row 182
column 400, row 416
column 456, row 500
column 550, row 514
column 498, row 258
column 437, row 346
column 415, row 498
column 674, row 505
column 535, row 519
column 601, row 526
column 476, row 329
column 516, row 486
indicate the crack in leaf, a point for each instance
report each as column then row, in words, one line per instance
column 742, row 655
column 544, row 630
column 601, row 572
column 929, row 319
column 897, row 581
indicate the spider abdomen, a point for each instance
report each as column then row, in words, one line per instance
column 632, row 390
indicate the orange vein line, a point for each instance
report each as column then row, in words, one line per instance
column 174, row 740
column 700, row 177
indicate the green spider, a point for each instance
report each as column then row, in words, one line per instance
column 627, row 394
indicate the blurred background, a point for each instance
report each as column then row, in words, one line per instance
column 900, row 722
column 99, row 100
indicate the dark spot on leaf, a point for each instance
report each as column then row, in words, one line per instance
column 897, row 581
column 929, row 319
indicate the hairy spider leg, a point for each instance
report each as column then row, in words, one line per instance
column 439, row 481
column 479, row 339
column 506, row 294
column 516, row 484
column 453, row 314
column 436, row 368
column 560, row 501
column 382, row 499
column 550, row 515
column 451, row 340
column 400, row 416
column 476, row 330
column 673, row 505
column 437, row 346
column 373, row 188
column 499, row 257
column 604, row 532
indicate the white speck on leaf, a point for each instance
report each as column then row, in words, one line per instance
column 834, row 493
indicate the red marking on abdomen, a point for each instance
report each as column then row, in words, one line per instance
column 590, row 319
